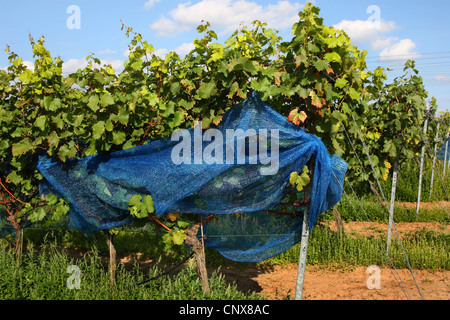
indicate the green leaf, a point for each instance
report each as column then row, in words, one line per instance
column 55, row 104
column 179, row 237
column 175, row 88
column 341, row 83
column 312, row 47
column 206, row 90
column 119, row 137
column 302, row 92
column 98, row 129
column 22, row 147
column 353, row 94
column 334, row 42
column 321, row 65
column 26, row 76
column 99, row 77
column 389, row 147
column 243, row 63
column 183, row 222
column 67, row 151
column 4, row 144
column 51, row 199
column 40, row 122
column 53, row 139
column 37, row 215
column 300, row 181
column 137, row 208
column 93, row 103
column 148, row 201
column 123, row 116
column 301, row 59
column 14, row 177
column 106, row 100
column 135, row 200
column 335, row 125
column 332, row 57
column 178, row 118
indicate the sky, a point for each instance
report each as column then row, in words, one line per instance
column 391, row 31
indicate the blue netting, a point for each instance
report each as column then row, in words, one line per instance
column 441, row 151
column 98, row 188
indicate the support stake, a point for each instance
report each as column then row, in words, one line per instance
column 446, row 154
column 112, row 257
column 392, row 204
column 422, row 160
column 198, row 248
column 304, row 240
column 434, row 158
column 302, row 257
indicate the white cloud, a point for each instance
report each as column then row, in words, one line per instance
column 376, row 34
column 364, row 31
column 184, row 49
column 116, row 64
column 181, row 50
column 72, row 65
column 226, row 15
column 28, row 64
column 442, row 78
column 107, row 51
column 167, row 27
column 150, row 3
column 399, row 50
column 382, row 43
column 162, row 52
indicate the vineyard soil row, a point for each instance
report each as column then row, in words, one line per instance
column 348, row 283
column 334, row 282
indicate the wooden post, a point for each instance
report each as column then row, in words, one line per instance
column 338, row 220
column 392, row 204
column 422, row 160
column 112, row 257
column 198, row 247
column 377, row 194
column 19, row 241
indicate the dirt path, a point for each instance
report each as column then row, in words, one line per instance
column 337, row 283
column 350, row 283
column 368, row 228
column 345, row 284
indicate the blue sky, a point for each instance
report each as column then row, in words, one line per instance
column 391, row 31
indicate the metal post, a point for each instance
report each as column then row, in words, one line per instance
column 391, row 207
column 434, row 158
column 302, row 257
column 304, row 239
column 422, row 159
column 446, row 153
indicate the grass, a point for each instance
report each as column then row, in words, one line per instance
column 424, row 249
column 41, row 272
column 42, row 275
column 367, row 208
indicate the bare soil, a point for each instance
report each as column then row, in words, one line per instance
column 344, row 284
column 337, row 283
column 403, row 228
